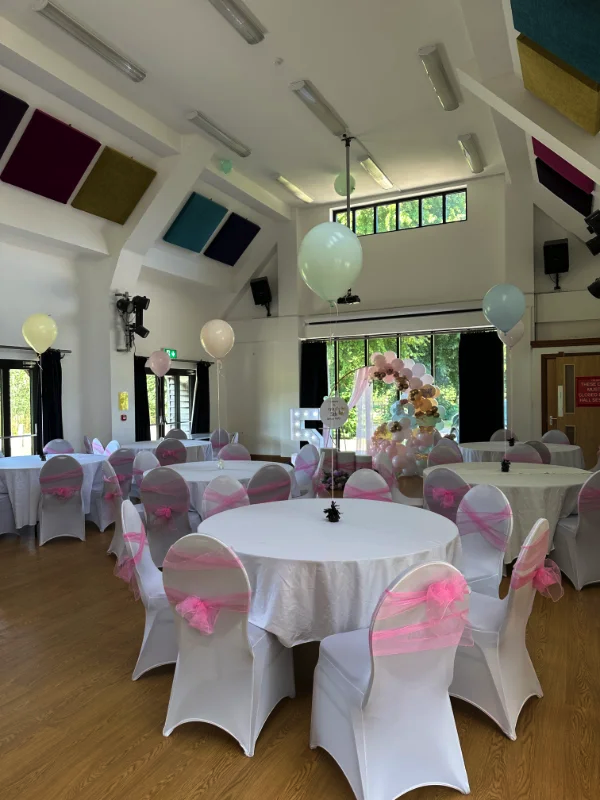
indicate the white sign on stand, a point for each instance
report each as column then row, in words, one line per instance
column 334, row 413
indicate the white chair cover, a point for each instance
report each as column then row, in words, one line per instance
column 384, row 713
column 496, row 675
column 144, row 461
column 105, row 507
column 98, row 447
column 234, row 452
column 222, row 494
column 484, row 521
column 171, row 451
column 58, row 446
column 305, row 469
column 61, row 504
column 523, row 454
column 437, row 436
column 502, row 435
column 541, row 449
column 87, row 445
column 366, row 484
column 166, row 499
column 555, row 437
column 176, row 433
column 270, row 484
column 577, row 538
column 112, row 447
column 219, row 439
column 229, row 672
column 445, row 452
column 159, row 645
column 383, row 465
column 122, row 463
column 443, row 490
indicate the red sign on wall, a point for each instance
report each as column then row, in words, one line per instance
column 588, row 391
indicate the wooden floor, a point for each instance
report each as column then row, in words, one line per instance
column 73, row 726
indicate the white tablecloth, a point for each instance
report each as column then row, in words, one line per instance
column 199, row 475
column 193, row 446
column 563, row 455
column 20, row 479
column 311, row 578
column 533, row 491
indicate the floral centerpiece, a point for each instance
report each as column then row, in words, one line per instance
column 340, row 478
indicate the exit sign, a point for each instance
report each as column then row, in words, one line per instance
column 170, row 353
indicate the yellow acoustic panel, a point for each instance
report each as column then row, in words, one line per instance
column 114, row 187
column 560, row 85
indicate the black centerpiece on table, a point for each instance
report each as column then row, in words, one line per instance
column 333, row 512
column 505, row 465
column 511, row 441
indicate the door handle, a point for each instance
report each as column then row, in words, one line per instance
column 552, row 420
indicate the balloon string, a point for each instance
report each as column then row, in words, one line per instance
column 219, row 365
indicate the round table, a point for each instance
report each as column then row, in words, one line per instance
column 311, row 578
column 533, row 491
column 563, row 455
column 199, row 475
column 20, row 479
column 193, row 447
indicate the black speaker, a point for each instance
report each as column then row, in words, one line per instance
column 563, row 188
column 261, row 291
column 556, row 256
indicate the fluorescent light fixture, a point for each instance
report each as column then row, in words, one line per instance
column 291, row 187
column 380, row 177
column 470, row 150
column 239, row 16
column 436, row 72
column 313, row 99
column 206, row 125
column 88, row 38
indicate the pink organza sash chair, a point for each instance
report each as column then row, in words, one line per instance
column 577, row 538
column 523, row 454
column 112, row 447
column 166, row 500
column 122, row 463
column 87, row 445
column 445, row 452
column 366, row 484
column 61, row 507
column 176, row 433
column 541, row 449
column 222, row 494
column 555, row 437
column 170, row 452
column 98, row 447
column 443, row 490
column 269, row 485
column 383, row 465
column 105, row 506
column 143, row 462
column 305, row 470
column 234, row 452
column 534, row 569
column 502, row 435
column 218, row 439
column 58, row 446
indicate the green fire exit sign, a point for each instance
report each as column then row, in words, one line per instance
column 170, row 353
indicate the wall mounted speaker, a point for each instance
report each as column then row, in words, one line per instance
column 232, row 240
column 556, row 256
column 12, row 111
column 561, row 187
column 195, row 223
column 261, row 291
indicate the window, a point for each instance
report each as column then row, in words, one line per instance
column 17, row 408
column 415, row 212
column 170, row 400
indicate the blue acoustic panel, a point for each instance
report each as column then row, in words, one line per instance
column 195, row 223
column 12, row 111
column 232, row 240
column 568, row 28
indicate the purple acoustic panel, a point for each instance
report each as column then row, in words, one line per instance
column 50, row 158
column 558, row 164
column 12, row 111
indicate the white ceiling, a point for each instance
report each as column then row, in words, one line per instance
column 361, row 56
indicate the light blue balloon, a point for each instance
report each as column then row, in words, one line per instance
column 395, row 409
column 340, row 184
column 503, row 306
column 330, row 259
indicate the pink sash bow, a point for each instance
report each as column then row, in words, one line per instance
column 547, row 580
column 356, row 493
column 225, row 502
column 201, row 612
column 445, row 497
column 113, row 480
column 64, row 492
column 484, row 522
column 125, row 568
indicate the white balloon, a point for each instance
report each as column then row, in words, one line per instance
column 409, row 362
column 418, row 370
column 427, row 379
column 330, row 260
column 217, row 338
column 514, row 335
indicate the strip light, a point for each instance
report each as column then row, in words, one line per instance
column 436, row 72
column 313, row 99
column 470, row 150
column 88, row 38
column 377, row 174
column 241, row 19
column 206, row 125
column 291, row 187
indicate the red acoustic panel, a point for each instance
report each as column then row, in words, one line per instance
column 563, row 167
column 50, row 158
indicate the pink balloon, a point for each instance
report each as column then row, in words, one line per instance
column 415, row 383
column 396, row 436
column 401, row 450
column 159, row 362
column 406, row 372
column 380, row 359
column 390, row 355
column 391, row 450
column 418, row 370
column 374, row 357
column 389, row 379
column 398, row 463
column 397, row 364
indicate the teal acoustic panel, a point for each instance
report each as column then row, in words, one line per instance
column 195, row 223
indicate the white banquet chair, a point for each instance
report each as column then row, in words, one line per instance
column 88, row 447
column 221, row 494
column 366, row 484
column 444, row 452
column 58, row 446
column 170, row 452
column 305, row 469
column 159, row 644
column 502, row 435
column 269, row 485
column 112, row 447
column 380, row 698
column 7, row 516
column 166, row 500
column 577, row 538
column 484, row 520
column 98, row 448
column 234, row 452
column 122, row 463
column 229, row 673
column 105, row 505
column 219, row 439
column 144, row 461
column 523, row 454
column 496, row 674
column 541, row 449
column 61, row 504
column 443, row 490
column 555, row 437
column 383, row 465
column 176, row 433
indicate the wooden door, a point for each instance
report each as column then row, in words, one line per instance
column 573, row 400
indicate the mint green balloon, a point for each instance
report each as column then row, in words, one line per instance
column 225, row 166
column 330, row 260
column 340, row 184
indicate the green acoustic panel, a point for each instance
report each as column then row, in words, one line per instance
column 195, row 223
column 114, row 187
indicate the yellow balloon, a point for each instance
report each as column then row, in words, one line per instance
column 39, row 331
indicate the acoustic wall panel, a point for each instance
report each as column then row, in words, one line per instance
column 114, row 187
column 12, row 111
column 50, row 158
column 564, row 189
column 195, row 223
column 232, row 240
column 558, row 164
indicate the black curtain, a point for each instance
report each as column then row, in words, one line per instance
column 48, row 398
column 481, row 384
column 142, row 410
column 201, row 408
column 314, row 384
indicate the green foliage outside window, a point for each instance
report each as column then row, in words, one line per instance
column 408, row 216
column 432, row 210
column 365, row 221
column 456, row 207
column 386, row 218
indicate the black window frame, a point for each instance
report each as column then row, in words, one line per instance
column 5, row 435
column 161, row 383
